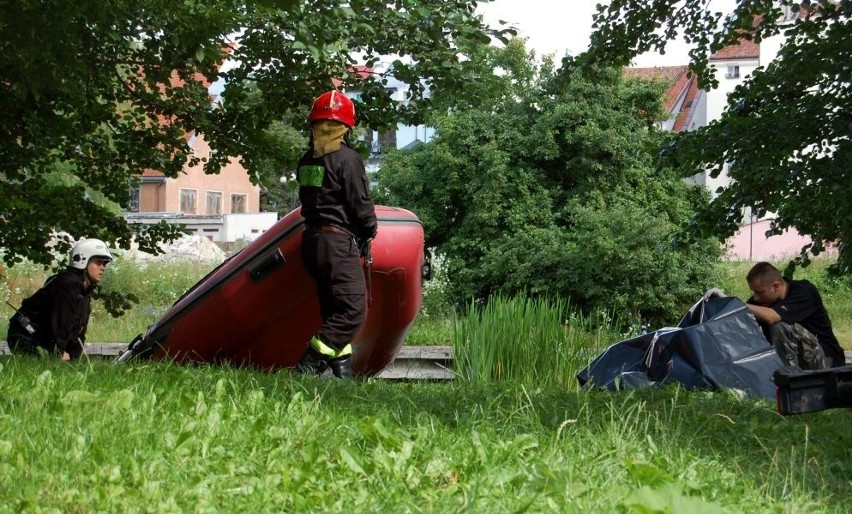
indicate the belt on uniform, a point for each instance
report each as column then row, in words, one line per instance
column 328, row 228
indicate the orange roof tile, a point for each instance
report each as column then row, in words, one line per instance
column 744, row 49
column 681, row 86
column 688, row 106
column 675, row 76
column 360, row 71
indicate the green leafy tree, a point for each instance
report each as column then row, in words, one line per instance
column 787, row 131
column 93, row 93
column 544, row 185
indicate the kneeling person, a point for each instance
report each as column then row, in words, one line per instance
column 58, row 313
column 793, row 318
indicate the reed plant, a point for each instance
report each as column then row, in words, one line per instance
column 528, row 340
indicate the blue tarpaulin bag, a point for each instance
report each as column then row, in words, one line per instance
column 717, row 345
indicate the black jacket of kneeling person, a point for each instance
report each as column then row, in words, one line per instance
column 59, row 312
column 792, row 301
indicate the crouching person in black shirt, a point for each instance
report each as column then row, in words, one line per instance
column 56, row 317
column 793, row 318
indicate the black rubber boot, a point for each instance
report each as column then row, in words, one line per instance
column 342, row 367
column 312, row 362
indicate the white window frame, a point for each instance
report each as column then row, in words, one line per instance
column 134, row 204
column 194, row 200
column 207, row 203
column 245, row 203
column 733, row 72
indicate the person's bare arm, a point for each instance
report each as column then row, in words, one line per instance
column 764, row 315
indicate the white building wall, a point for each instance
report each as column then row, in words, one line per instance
column 717, row 99
column 769, row 49
column 247, row 227
column 228, row 228
column 407, row 134
column 717, row 102
column 750, row 242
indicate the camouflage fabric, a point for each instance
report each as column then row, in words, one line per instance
column 797, row 346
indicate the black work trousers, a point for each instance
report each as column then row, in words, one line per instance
column 333, row 260
column 21, row 341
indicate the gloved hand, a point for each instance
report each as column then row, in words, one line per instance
column 713, row 293
column 364, row 247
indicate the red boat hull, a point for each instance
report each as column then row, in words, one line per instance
column 260, row 307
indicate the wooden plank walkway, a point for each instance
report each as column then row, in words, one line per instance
column 421, row 363
column 412, row 362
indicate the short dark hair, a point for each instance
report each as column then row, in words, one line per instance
column 764, row 273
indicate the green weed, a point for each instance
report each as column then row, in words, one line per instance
column 533, row 341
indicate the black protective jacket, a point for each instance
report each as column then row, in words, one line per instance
column 803, row 305
column 333, row 190
column 60, row 311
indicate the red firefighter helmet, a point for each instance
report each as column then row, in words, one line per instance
column 333, row 105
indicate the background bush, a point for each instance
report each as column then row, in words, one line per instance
column 547, row 185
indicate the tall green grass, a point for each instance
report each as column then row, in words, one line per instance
column 529, row 340
column 156, row 285
column 159, row 285
column 154, row 437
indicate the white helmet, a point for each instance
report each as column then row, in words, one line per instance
column 85, row 250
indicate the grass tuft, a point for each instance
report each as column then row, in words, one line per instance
column 532, row 341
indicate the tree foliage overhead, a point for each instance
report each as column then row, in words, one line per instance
column 92, row 93
column 543, row 184
column 787, row 131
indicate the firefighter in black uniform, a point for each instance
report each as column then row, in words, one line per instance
column 340, row 222
column 56, row 317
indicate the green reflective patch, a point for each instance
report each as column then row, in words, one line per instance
column 321, row 347
column 311, row 176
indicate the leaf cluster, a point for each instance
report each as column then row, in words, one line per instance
column 101, row 92
column 784, row 138
column 92, row 94
column 547, row 187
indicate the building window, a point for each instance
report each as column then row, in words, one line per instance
column 133, row 206
column 188, row 201
column 214, row 203
column 387, row 141
column 238, row 204
column 733, row 72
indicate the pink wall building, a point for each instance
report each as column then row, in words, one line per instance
column 751, row 244
column 195, row 193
